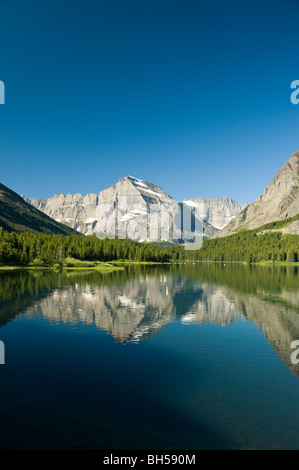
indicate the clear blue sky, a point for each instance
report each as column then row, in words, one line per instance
column 192, row 95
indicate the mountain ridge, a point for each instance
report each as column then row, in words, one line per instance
column 96, row 213
column 279, row 201
column 217, row 211
column 17, row 215
column 90, row 213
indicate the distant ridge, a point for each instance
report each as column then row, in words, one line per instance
column 218, row 211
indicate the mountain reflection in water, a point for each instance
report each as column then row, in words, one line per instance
column 135, row 305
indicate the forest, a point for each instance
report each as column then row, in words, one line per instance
column 23, row 249
column 252, row 246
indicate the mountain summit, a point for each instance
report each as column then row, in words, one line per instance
column 131, row 197
column 279, row 201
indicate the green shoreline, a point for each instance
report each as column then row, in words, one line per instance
column 103, row 269
column 120, row 265
column 276, row 263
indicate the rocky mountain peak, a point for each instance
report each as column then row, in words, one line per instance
column 131, row 198
column 279, row 201
column 285, row 179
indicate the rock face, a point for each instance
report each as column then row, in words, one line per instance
column 279, row 201
column 293, row 228
column 72, row 210
column 124, row 209
column 217, row 212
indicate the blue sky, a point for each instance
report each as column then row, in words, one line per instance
column 189, row 94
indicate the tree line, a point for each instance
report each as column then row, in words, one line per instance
column 251, row 247
column 23, row 249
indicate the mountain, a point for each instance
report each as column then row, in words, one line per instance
column 17, row 215
column 218, row 211
column 123, row 207
column 279, row 202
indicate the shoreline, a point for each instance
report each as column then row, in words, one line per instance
column 107, row 268
column 120, row 265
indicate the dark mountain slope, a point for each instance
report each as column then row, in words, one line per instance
column 16, row 215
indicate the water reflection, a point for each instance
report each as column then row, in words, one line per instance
column 138, row 308
column 135, row 305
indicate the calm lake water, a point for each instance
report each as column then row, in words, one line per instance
column 175, row 357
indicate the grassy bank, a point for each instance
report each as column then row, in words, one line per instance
column 120, row 265
column 132, row 262
column 70, row 266
column 276, row 263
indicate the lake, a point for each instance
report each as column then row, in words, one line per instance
column 155, row 357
